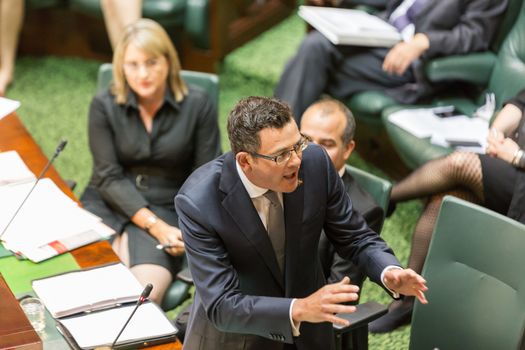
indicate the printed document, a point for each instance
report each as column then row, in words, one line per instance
column 350, row 27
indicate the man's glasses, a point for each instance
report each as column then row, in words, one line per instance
column 285, row 156
column 150, row 65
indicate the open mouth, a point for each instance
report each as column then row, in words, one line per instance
column 291, row 176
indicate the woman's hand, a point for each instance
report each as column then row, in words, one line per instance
column 168, row 235
column 499, row 147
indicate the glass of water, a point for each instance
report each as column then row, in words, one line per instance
column 34, row 310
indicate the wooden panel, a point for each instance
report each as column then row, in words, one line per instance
column 15, row 330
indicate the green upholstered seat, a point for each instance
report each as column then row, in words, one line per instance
column 506, row 79
column 474, row 272
column 377, row 187
column 179, row 290
column 472, row 68
column 174, row 15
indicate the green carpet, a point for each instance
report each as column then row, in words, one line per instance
column 56, row 92
column 19, row 274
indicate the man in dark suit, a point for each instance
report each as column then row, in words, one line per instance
column 251, row 221
column 330, row 124
column 429, row 28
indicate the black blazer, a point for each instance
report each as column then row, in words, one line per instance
column 242, row 299
column 335, row 267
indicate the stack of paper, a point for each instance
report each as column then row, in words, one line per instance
column 49, row 222
column 90, row 305
column 7, row 106
column 459, row 131
column 350, row 27
column 13, row 169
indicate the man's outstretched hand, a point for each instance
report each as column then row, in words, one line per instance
column 406, row 282
column 322, row 305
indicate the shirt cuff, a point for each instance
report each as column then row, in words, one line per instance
column 295, row 325
column 395, row 295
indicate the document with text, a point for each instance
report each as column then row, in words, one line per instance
column 350, row 27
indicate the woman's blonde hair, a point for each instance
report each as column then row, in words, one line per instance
column 150, row 37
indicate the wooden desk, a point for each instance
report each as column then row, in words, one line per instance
column 14, row 136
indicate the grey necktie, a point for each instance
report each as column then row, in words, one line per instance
column 275, row 227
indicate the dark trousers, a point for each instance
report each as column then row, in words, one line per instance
column 321, row 67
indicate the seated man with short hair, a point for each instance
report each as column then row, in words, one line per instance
column 330, row 124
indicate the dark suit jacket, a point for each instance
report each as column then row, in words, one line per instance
column 242, row 299
column 453, row 27
column 335, row 267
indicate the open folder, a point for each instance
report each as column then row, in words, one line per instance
column 350, row 27
column 93, row 305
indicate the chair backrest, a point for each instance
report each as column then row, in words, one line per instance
column 474, row 272
column 378, row 188
column 206, row 81
column 508, row 75
column 507, row 22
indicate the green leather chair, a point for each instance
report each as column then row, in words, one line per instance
column 378, row 188
column 191, row 16
column 475, row 68
column 474, row 272
column 506, row 79
column 179, row 289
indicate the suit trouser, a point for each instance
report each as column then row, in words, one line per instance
column 321, row 67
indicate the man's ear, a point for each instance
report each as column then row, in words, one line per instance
column 245, row 161
column 349, row 149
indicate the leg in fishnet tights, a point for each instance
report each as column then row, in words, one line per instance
column 457, row 170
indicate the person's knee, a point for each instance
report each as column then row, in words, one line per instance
column 315, row 43
column 457, row 163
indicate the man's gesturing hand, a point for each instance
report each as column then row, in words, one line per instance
column 406, row 282
column 322, row 305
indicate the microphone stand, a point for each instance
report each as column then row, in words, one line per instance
column 59, row 149
column 143, row 297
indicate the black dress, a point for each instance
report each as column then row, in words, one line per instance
column 133, row 169
column 503, row 184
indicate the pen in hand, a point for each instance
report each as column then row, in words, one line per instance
column 165, row 246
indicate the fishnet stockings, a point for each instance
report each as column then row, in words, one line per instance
column 458, row 174
column 457, row 170
column 425, row 226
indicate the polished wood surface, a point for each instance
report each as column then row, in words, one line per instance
column 15, row 330
column 14, row 136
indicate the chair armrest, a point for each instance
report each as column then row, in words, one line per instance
column 196, row 23
column 474, row 68
column 364, row 314
column 185, row 275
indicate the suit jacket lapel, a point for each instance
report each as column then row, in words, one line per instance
column 238, row 204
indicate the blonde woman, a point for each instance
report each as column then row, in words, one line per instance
column 146, row 135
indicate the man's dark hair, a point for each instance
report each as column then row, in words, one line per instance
column 252, row 114
column 329, row 106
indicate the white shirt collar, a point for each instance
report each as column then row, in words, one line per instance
column 253, row 190
column 342, row 171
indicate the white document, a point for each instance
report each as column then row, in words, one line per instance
column 350, row 27
column 13, row 169
column 7, row 106
column 101, row 328
column 87, row 290
column 49, row 223
column 457, row 131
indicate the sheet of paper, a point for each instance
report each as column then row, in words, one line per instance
column 79, row 291
column 13, row 169
column 350, row 27
column 46, row 216
column 7, row 106
column 101, row 328
column 423, row 123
